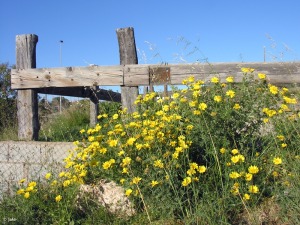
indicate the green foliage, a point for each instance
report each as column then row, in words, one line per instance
column 65, row 126
column 212, row 153
column 8, row 105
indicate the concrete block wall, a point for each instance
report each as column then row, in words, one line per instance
column 30, row 160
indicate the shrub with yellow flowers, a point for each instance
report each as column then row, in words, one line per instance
column 205, row 137
column 217, row 142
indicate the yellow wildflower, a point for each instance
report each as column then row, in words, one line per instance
column 154, row 183
column 253, row 169
column 235, row 159
column 120, row 153
column 275, row 174
column 32, row 184
column 215, row 80
column 58, row 198
column 126, row 161
column 247, row 70
column 201, row 169
column 190, row 127
column 158, row 163
column 191, row 79
column 136, row 180
column 283, row 145
column 202, row 106
column 196, row 112
column 175, row 155
column 230, row 93
column 27, row 195
column 131, row 141
column 277, row 161
column 196, row 88
column 237, row 106
column 234, row 175
column 261, row 76
column 192, row 103
column 222, row 150
column 273, row 89
column 106, row 165
column 248, row 176
column 82, row 131
column 122, row 181
column 175, row 95
column 253, row 189
column 289, row 100
column 20, row 191
column 22, row 181
column 246, row 197
column 217, row 98
column 234, row 151
column 66, row 183
column 194, row 165
column 112, row 143
column 281, row 137
column 103, row 150
column 186, row 181
column 235, row 188
column 128, row 192
column 191, row 172
column 230, row 79
column 125, row 170
column 47, row 176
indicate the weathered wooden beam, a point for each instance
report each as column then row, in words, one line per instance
column 27, row 101
column 128, row 55
column 67, row 77
column 134, row 75
column 82, row 92
column 277, row 73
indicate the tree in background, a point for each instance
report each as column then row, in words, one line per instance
column 8, row 105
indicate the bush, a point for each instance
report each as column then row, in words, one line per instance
column 8, row 105
column 209, row 154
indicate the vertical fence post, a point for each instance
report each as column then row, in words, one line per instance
column 94, row 106
column 128, row 55
column 27, row 100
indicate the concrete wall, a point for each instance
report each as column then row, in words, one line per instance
column 30, row 160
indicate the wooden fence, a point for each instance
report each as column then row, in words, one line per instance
column 84, row 81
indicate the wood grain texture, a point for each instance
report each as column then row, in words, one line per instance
column 94, row 106
column 67, row 77
column 27, row 101
column 128, row 55
column 139, row 75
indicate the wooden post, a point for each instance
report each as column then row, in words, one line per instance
column 94, row 106
column 27, row 100
column 128, row 55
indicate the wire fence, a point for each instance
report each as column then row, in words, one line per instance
column 59, row 121
column 31, row 160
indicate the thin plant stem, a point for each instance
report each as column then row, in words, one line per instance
column 144, row 203
column 215, row 152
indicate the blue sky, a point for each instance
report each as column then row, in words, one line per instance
column 165, row 31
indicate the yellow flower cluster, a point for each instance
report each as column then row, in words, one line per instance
column 27, row 190
column 146, row 148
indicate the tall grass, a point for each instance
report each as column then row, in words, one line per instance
column 65, row 126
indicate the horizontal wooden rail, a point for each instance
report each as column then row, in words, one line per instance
column 82, row 92
column 134, row 75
